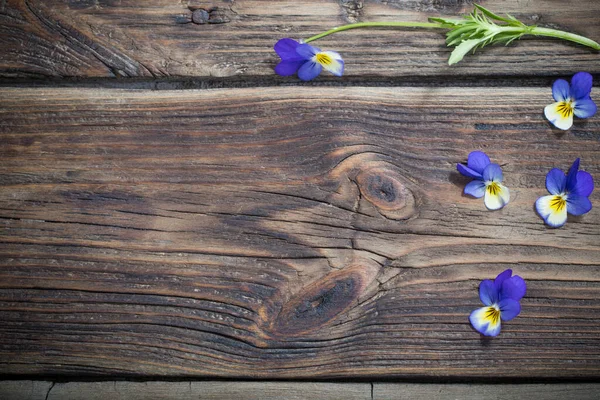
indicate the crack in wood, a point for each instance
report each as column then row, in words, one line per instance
column 119, row 64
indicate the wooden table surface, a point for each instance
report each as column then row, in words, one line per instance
column 171, row 208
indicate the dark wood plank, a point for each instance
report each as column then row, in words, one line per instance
column 286, row 233
column 147, row 38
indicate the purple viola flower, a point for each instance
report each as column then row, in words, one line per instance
column 501, row 299
column 568, row 194
column 573, row 99
column 306, row 60
column 487, row 181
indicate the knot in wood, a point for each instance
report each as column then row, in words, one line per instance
column 319, row 303
column 200, row 16
column 383, row 188
column 213, row 15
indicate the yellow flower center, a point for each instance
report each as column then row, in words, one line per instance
column 493, row 188
column 565, row 108
column 558, row 203
column 324, row 59
column 492, row 315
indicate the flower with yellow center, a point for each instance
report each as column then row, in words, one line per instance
column 501, row 300
column 568, row 195
column 573, row 99
column 306, row 60
column 487, row 181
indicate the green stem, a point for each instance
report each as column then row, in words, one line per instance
column 428, row 25
column 564, row 35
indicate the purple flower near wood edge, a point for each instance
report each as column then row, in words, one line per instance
column 501, row 299
column 568, row 194
column 573, row 99
column 487, row 180
column 306, row 60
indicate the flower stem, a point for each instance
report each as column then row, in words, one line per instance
column 427, row 25
column 529, row 30
column 564, row 35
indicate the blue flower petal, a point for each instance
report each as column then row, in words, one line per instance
column 561, row 90
column 509, row 308
column 287, row 68
column 475, row 188
column 309, row 71
column 581, row 85
column 492, row 172
column 556, row 181
column 585, row 108
column 513, row 288
column 578, row 205
column 466, row 171
column 286, row 49
column 584, row 185
column 307, row 51
column 488, row 294
column 477, row 161
column 481, row 321
column 571, row 181
column 504, row 275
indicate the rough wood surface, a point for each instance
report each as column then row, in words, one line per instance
column 156, row 38
column 191, row 391
column 286, row 233
column 391, row 391
column 41, row 390
column 24, row 390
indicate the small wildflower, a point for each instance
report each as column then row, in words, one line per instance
column 573, row 99
column 568, row 194
column 501, row 299
column 306, row 60
column 487, row 181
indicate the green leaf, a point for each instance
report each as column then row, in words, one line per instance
column 448, row 22
column 462, row 49
column 510, row 20
column 461, row 33
column 490, row 14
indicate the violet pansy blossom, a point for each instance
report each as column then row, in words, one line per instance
column 568, row 194
column 573, row 99
column 487, row 181
column 306, row 60
column 501, row 299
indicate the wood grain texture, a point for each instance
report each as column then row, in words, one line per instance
column 211, row 390
column 286, row 233
column 156, row 38
column 392, row 391
column 43, row 390
column 24, row 390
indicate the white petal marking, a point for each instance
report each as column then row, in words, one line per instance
column 331, row 61
column 558, row 117
column 496, row 195
column 483, row 324
column 552, row 215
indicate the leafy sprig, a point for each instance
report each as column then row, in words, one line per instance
column 481, row 28
column 473, row 31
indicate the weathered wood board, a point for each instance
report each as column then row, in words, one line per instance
column 286, row 233
column 213, row 390
column 156, row 38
